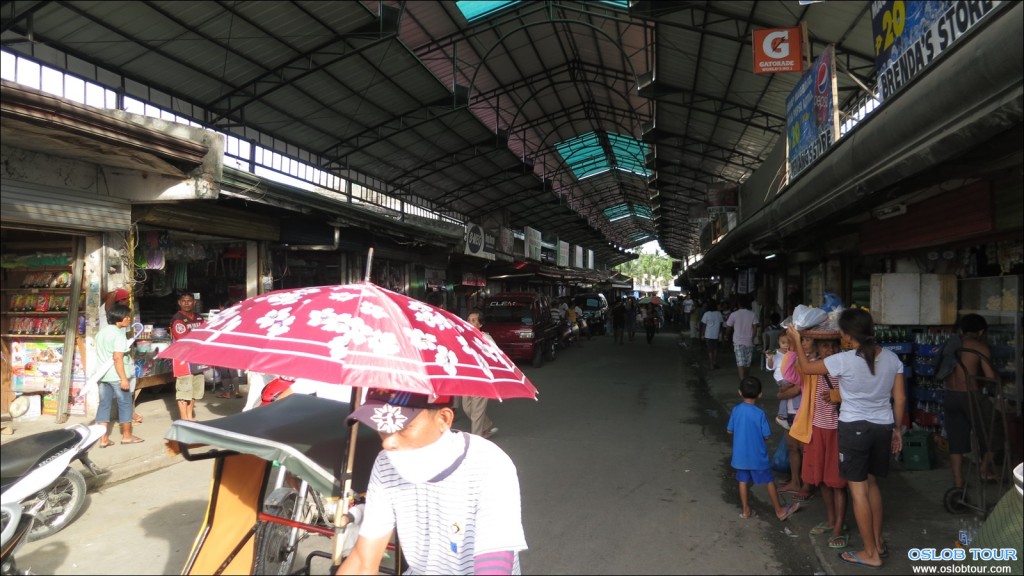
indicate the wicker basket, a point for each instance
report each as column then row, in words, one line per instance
column 821, row 334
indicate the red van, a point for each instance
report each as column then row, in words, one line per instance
column 522, row 325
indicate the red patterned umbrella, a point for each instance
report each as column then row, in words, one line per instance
column 355, row 334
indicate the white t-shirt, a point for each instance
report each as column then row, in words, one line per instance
column 865, row 395
column 742, row 322
column 687, row 306
column 443, row 525
column 713, row 321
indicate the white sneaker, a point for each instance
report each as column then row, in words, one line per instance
column 491, row 432
column 782, row 421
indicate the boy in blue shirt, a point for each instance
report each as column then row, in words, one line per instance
column 750, row 432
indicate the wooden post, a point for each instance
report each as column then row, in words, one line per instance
column 70, row 336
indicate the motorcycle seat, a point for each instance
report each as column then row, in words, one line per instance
column 21, row 455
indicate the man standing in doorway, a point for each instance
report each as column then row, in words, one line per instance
column 744, row 326
column 189, row 386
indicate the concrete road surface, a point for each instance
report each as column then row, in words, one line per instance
column 623, row 465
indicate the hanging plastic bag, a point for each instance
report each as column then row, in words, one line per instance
column 780, row 460
column 805, row 317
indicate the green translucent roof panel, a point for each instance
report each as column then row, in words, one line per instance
column 626, row 210
column 586, row 156
column 620, row 4
column 476, row 9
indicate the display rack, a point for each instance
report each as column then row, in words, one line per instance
column 40, row 317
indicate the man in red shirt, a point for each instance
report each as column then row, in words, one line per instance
column 188, row 386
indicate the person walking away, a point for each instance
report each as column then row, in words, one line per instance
column 696, row 313
column 774, row 361
column 632, row 312
column 685, row 320
column 475, row 406
column 744, row 326
column 710, row 327
column 114, row 384
column 189, row 384
column 750, row 433
column 618, row 322
column 650, row 321
column 872, row 388
column 821, row 454
column 453, row 497
column 961, row 386
column 792, row 391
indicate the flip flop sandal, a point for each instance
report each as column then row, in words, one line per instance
column 134, row 440
column 137, row 419
column 851, row 558
column 107, row 444
column 753, row 514
column 790, row 510
column 839, row 542
column 821, row 528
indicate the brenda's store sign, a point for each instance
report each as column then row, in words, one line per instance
column 909, row 36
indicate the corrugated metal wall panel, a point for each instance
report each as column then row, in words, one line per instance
column 55, row 208
column 955, row 215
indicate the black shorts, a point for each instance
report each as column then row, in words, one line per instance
column 864, row 448
column 957, row 408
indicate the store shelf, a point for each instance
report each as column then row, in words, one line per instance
column 34, row 336
column 37, row 289
column 996, row 313
column 51, row 313
column 41, row 269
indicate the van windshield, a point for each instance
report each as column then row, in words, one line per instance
column 506, row 312
column 592, row 303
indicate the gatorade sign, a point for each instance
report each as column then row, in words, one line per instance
column 777, row 50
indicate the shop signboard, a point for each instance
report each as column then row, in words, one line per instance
column 910, row 36
column 812, row 117
column 563, row 253
column 532, row 244
column 475, row 242
column 506, row 240
column 777, row 50
column 578, row 256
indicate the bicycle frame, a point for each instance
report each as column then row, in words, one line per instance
column 306, row 436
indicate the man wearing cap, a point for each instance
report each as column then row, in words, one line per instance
column 119, row 296
column 452, row 496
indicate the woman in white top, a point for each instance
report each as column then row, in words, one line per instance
column 869, row 426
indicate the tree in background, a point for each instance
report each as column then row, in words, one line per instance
column 654, row 267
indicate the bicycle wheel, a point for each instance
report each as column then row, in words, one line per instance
column 273, row 553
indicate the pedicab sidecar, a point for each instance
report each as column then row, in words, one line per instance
column 283, row 471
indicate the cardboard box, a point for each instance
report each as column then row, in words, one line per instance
column 50, row 404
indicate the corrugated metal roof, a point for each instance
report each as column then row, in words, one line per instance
column 469, row 114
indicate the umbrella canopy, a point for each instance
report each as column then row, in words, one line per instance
column 359, row 335
column 650, row 300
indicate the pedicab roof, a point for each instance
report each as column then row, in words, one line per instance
column 306, row 434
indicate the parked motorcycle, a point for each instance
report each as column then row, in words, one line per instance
column 36, row 474
column 15, row 527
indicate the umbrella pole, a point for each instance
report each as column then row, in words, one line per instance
column 369, row 263
column 341, row 511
